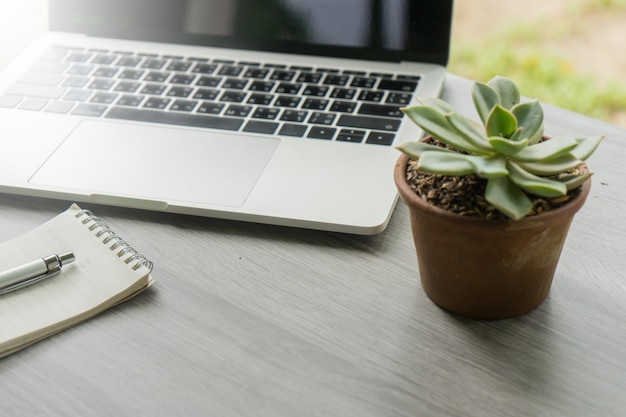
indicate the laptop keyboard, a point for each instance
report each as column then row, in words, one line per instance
column 265, row 98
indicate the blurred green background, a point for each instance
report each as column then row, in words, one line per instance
column 570, row 53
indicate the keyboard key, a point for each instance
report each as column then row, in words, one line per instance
column 181, row 66
column 79, row 57
column 182, row 79
column 201, row 68
column 318, row 118
column 104, row 59
column 288, row 88
column 153, row 89
column 94, row 110
column 130, row 100
column 156, row 77
column 290, row 129
column 313, row 90
column 265, row 86
column 127, row 86
column 107, row 72
column 32, row 90
column 77, row 95
column 156, row 103
column 103, row 98
column 235, row 83
column 100, row 84
column 351, row 135
column 80, row 69
column 184, row 119
column 282, row 75
column 179, row 91
column 343, row 106
column 335, row 80
column 9, row 101
column 380, row 110
column 230, row 70
column 294, row 116
column 399, row 85
column 363, row 82
column 380, row 138
column 33, row 103
column 258, row 73
column 61, row 107
column 75, row 81
column 315, row 104
column 399, row 98
column 183, row 105
column 287, row 101
column 205, row 94
column 343, row 93
column 368, row 95
column 309, row 77
column 322, row 132
column 233, row 96
column 41, row 78
column 131, row 74
column 153, row 63
column 259, row 98
column 268, row 113
column 209, row 81
column 128, row 61
column 238, row 110
column 256, row 126
column 211, row 108
column 363, row 122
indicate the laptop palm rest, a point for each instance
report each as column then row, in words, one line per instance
column 157, row 163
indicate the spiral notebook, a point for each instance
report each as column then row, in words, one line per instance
column 106, row 272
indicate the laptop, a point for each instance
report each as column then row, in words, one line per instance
column 284, row 112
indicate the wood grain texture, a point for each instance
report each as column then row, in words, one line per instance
column 254, row 320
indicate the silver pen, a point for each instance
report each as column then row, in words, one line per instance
column 32, row 272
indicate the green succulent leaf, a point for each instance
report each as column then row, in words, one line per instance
column 445, row 163
column 438, row 104
column 507, row 91
column 415, row 149
column 507, row 197
column 547, row 150
column 586, row 146
column 533, row 184
column 553, row 166
column 529, row 117
column 507, row 147
column 488, row 167
column 470, row 132
column 485, row 98
column 500, row 122
column 575, row 181
column 436, row 124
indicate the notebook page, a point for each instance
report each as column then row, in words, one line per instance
column 97, row 279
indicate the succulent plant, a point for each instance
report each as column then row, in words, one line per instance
column 508, row 149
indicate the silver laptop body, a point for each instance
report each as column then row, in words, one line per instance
column 283, row 112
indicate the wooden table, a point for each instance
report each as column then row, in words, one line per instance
column 255, row 320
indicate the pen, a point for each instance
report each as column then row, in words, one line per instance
column 32, row 272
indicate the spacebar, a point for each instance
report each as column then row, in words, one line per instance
column 184, row 119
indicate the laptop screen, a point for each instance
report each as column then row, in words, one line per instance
column 390, row 30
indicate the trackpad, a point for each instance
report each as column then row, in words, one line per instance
column 158, row 163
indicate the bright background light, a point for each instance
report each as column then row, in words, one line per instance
column 21, row 21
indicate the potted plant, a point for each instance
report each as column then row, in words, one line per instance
column 490, row 204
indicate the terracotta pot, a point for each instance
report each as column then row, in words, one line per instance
column 486, row 269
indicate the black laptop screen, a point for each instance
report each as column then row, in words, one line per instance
column 394, row 30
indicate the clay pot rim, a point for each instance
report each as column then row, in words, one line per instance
column 411, row 198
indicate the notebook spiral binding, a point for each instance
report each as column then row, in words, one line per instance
column 118, row 245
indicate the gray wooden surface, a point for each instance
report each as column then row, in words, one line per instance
column 254, row 320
